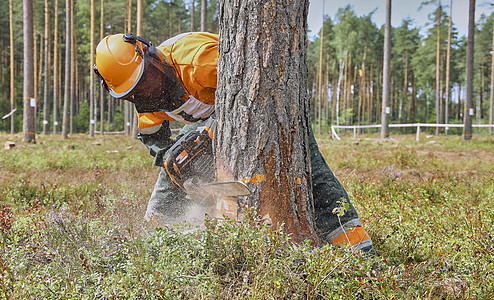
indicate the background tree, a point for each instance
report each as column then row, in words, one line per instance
column 266, row 42
column 55, row 70
column 29, row 124
column 204, row 15
column 68, row 48
column 12, row 79
column 448, row 66
column 491, row 111
column 468, row 115
column 386, row 73
column 47, row 69
column 91, row 63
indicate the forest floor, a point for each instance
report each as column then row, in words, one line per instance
column 71, row 227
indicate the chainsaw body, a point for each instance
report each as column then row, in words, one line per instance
column 191, row 157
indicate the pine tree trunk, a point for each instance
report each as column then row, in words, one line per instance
column 192, row 13
column 386, row 74
column 68, row 47
column 204, row 15
column 438, row 63
column 29, row 124
column 73, row 54
column 127, row 104
column 319, row 89
column 139, row 33
column 468, row 113
column 12, row 60
column 46, row 110
column 448, row 63
column 55, row 70
column 263, row 109
column 35, row 60
column 491, row 110
column 102, row 91
column 91, row 64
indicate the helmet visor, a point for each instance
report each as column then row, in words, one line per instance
column 157, row 89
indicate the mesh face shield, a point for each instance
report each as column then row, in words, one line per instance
column 158, row 89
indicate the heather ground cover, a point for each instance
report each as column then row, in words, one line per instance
column 71, row 227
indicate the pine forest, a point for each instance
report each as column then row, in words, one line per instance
column 428, row 64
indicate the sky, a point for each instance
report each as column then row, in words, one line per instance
column 400, row 9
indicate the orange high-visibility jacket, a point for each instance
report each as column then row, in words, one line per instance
column 194, row 56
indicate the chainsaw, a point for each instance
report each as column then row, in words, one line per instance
column 191, row 167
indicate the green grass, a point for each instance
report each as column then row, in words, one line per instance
column 71, row 227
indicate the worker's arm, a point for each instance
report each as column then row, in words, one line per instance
column 154, row 132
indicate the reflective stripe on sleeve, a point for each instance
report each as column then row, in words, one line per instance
column 194, row 108
column 149, row 130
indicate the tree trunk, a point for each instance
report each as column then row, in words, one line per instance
column 73, row 54
column 46, row 110
column 338, row 91
column 448, row 63
column 29, row 124
column 386, row 73
column 91, row 64
column 468, row 113
column 12, row 60
column 326, row 92
column 491, row 110
column 66, row 99
column 404, row 98
column 55, row 70
column 139, row 33
column 438, row 63
column 102, row 91
column 262, row 80
column 127, row 104
column 35, row 60
column 319, row 89
column 204, row 15
column 192, row 13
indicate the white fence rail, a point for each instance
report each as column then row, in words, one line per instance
column 418, row 125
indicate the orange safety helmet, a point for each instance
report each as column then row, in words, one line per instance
column 131, row 68
column 119, row 64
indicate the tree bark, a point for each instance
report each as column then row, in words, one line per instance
column 46, row 110
column 127, row 104
column 319, row 89
column 29, row 124
column 263, row 109
column 438, row 63
column 91, row 64
column 55, row 70
column 468, row 113
column 448, row 63
column 12, row 60
column 491, row 113
column 73, row 54
column 386, row 73
column 68, row 47
column 204, row 15
column 139, row 33
column 192, row 13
